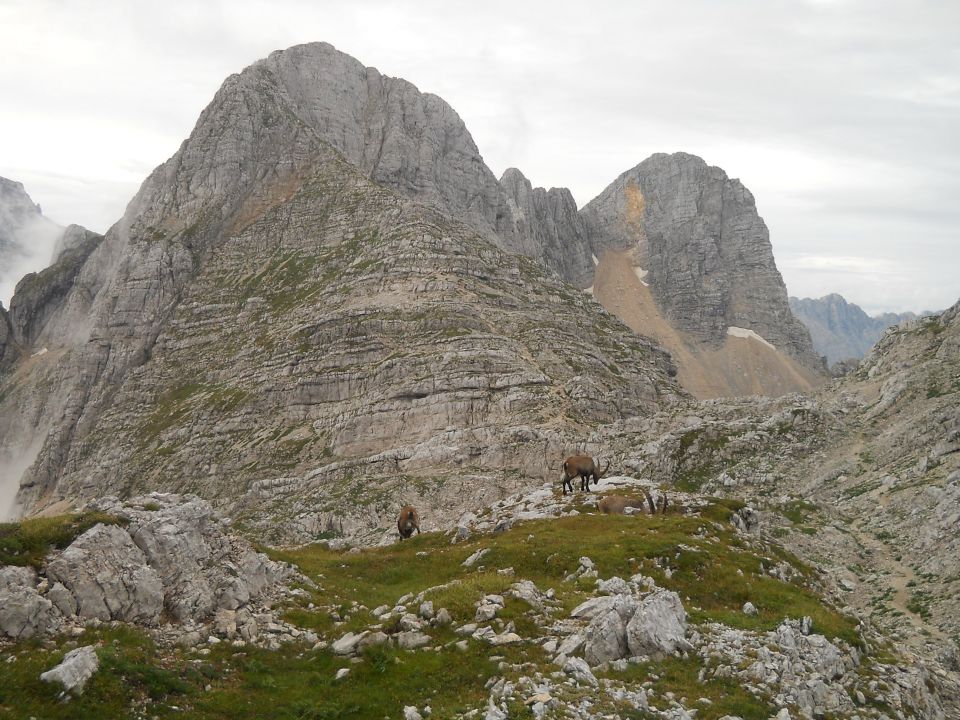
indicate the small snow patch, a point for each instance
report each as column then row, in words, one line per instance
column 641, row 274
column 589, row 290
column 595, row 261
column 749, row 334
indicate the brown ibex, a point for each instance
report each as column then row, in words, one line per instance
column 617, row 504
column 408, row 521
column 585, row 468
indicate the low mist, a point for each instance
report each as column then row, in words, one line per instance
column 31, row 250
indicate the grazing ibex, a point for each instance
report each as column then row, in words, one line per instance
column 408, row 521
column 617, row 504
column 585, row 468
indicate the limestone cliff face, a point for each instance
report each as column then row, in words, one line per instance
column 401, row 138
column 416, row 143
column 8, row 349
column 40, row 296
column 705, row 250
column 272, row 329
column 550, row 218
column 842, row 330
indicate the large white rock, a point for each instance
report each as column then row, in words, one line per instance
column 659, row 626
column 77, row 668
column 348, row 643
column 202, row 568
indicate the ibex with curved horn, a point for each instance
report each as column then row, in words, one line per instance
column 585, row 468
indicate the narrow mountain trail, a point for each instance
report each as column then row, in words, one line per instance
column 898, row 578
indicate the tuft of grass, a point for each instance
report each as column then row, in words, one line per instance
column 28, row 542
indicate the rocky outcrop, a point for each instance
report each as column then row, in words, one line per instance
column 108, row 577
column 200, row 568
column 639, row 619
column 23, row 613
column 705, row 251
column 841, row 330
column 170, row 560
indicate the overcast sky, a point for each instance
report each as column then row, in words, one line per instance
column 843, row 118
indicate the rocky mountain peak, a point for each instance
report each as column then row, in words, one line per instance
column 704, row 249
column 396, row 135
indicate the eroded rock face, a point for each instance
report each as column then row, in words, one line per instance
column 705, row 250
column 549, row 228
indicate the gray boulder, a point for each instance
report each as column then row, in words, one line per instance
column 63, row 599
column 578, row 669
column 659, row 625
column 12, row 576
column 77, row 668
column 606, row 638
column 23, row 613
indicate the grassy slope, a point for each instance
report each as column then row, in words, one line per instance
column 28, row 542
column 296, row 682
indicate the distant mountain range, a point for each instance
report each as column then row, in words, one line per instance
column 841, row 330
